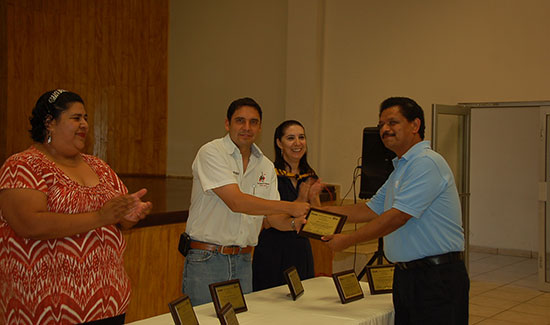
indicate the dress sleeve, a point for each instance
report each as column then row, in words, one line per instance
column 18, row 173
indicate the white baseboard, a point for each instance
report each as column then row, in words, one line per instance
column 503, row 251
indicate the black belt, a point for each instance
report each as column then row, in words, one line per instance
column 432, row 261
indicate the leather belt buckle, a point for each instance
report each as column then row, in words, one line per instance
column 229, row 250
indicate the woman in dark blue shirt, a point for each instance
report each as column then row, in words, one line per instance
column 278, row 250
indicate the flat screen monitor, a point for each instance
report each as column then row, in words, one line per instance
column 376, row 163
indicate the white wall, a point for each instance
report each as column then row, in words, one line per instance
column 504, row 158
column 220, row 51
column 433, row 51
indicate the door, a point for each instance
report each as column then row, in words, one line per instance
column 451, row 138
column 544, row 200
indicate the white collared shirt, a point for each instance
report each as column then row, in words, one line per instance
column 219, row 163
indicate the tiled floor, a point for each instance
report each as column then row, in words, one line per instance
column 504, row 290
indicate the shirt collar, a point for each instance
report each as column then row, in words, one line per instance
column 413, row 151
column 231, row 147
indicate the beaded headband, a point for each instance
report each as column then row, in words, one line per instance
column 55, row 94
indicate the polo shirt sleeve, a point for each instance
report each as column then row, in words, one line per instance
column 376, row 203
column 212, row 168
column 420, row 185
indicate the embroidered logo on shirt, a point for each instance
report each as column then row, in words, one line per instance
column 261, row 180
column 236, row 173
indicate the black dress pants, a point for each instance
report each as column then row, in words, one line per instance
column 432, row 294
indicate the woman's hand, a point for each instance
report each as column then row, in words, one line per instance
column 315, row 188
column 303, row 192
column 141, row 210
column 127, row 207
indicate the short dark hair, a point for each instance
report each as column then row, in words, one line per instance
column 280, row 162
column 238, row 103
column 50, row 105
column 408, row 108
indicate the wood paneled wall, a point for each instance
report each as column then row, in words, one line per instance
column 111, row 52
column 3, row 78
column 155, row 267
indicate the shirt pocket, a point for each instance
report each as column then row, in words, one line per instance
column 262, row 190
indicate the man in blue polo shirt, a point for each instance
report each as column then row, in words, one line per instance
column 417, row 211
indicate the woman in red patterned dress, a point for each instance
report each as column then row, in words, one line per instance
column 61, row 248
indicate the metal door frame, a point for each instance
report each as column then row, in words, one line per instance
column 544, row 171
column 459, row 110
column 544, row 199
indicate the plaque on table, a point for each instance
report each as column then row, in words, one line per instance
column 348, row 286
column 322, row 223
column 294, row 282
column 227, row 315
column 380, row 278
column 182, row 311
column 228, row 292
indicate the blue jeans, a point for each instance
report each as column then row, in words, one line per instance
column 202, row 268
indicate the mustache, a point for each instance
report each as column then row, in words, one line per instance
column 387, row 133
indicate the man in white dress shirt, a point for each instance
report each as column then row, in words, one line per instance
column 234, row 188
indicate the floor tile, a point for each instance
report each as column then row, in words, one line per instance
column 523, row 268
column 493, row 302
column 474, row 319
column 532, row 309
column 513, row 293
column 542, row 300
column 485, row 311
column 523, row 318
column 478, row 287
column 477, row 268
column 531, row 282
column 504, row 290
column 492, row 321
column 497, row 276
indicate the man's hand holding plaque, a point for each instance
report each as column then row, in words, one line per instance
column 322, row 223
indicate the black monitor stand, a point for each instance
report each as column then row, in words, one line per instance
column 378, row 256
